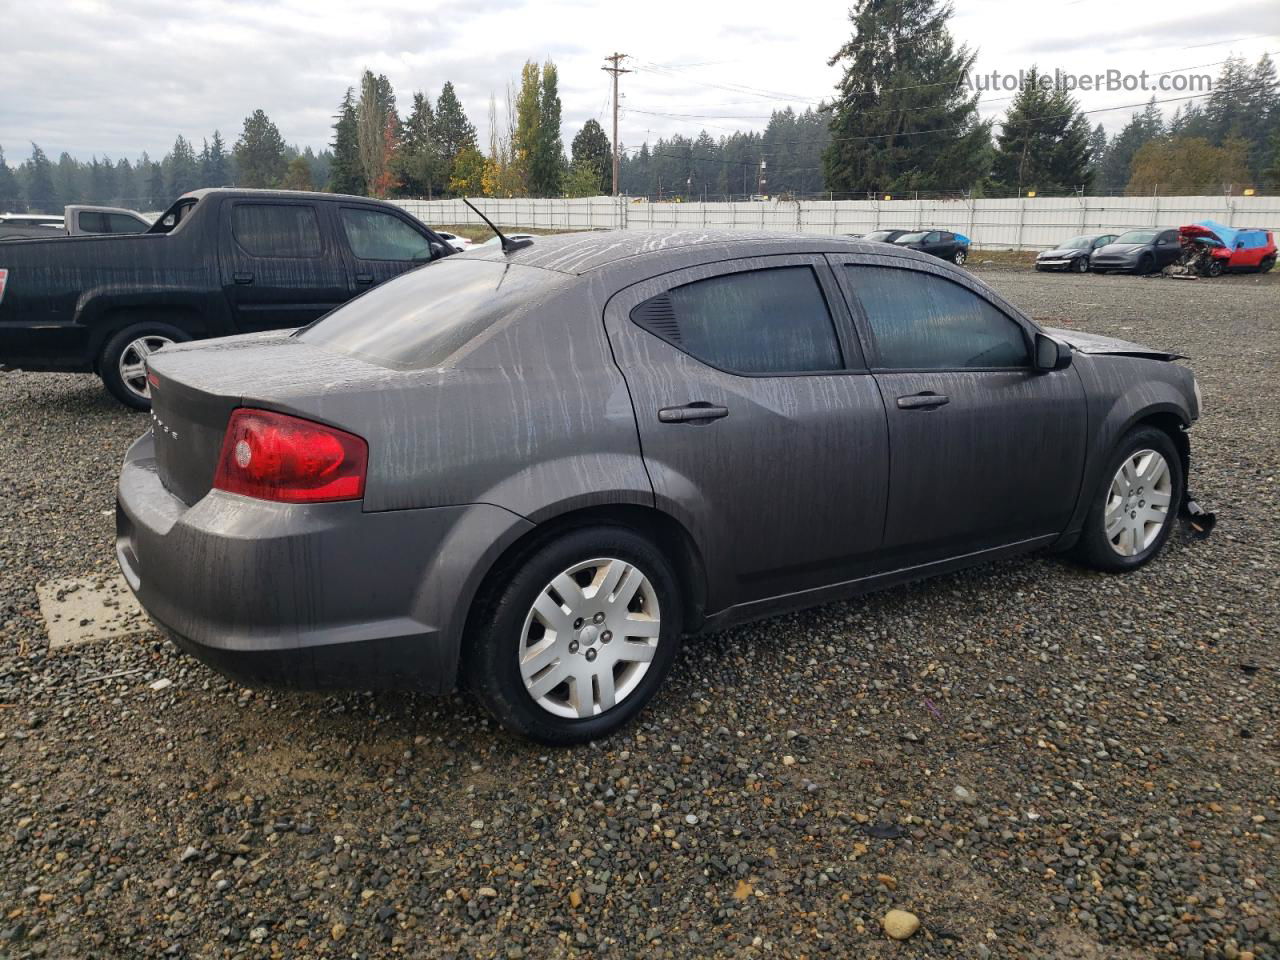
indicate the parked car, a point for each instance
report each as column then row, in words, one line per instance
column 883, row 236
column 1211, row 249
column 77, row 221
column 535, row 471
column 461, row 244
column 1138, row 251
column 939, row 243
column 217, row 262
column 1074, row 254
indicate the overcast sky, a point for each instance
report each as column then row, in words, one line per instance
column 117, row 77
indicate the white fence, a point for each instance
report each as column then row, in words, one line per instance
column 1014, row 223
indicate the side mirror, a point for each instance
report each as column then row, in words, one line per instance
column 1051, row 354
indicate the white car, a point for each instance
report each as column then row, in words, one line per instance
column 458, row 243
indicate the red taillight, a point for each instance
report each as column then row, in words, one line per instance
column 273, row 456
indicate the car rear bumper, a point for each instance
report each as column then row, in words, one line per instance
column 317, row 596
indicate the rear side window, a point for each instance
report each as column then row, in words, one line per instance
column 759, row 322
column 434, row 313
column 920, row 321
column 375, row 235
column 92, row 222
column 119, row 223
column 277, row 230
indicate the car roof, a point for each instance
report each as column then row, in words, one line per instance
column 284, row 195
column 579, row 253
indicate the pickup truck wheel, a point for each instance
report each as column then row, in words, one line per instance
column 1135, row 504
column 569, row 640
column 122, row 363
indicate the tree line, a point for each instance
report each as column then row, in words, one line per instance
column 903, row 120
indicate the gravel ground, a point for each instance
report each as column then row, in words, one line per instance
column 1034, row 759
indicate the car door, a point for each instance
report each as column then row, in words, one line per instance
column 760, row 427
column 279, row 265
column 381, row 244
column 984, row 450
column 1167, row 248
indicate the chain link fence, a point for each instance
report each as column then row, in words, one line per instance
column 1016, row 223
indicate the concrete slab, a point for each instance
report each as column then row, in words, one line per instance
column 84, row 609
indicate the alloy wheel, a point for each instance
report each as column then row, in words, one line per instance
column 132, row 364
column 1138, row 502
column 589, row 638
column 960, row 258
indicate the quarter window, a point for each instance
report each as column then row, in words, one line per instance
column 375, row 235
column 921, row 321
column 277, row 230
column 767, row 321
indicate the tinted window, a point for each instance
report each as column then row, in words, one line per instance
column 925, row 322
column 119, row 223
column 276, row 229
column 424, row 317
column 763, row 321
column 375, row 235
column 90, row 222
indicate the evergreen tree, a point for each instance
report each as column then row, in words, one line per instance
column 126, row 184
column 298, row 174
column 1270, row 172
column 419, row 162
column 1141, row 129
column 67, row 181
column 1262, row 111
column 259, row 153
column 546, row 160
column 158, row 198
column 903, row 76
column 592, row 156
column 42, row 197
column 102, row 182
column 453, row 131
column 1097, row 151
column 215, row 165
column 345, row 174
column 181, row 169
column 1043, row 142
column 1227, row 110
column 10, row 194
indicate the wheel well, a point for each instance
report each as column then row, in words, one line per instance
column 1172, row 424
column 666, row 533
column 114, row 320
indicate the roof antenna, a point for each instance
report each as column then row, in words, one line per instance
column 508, row 245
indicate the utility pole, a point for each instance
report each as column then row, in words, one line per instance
column 616, row 59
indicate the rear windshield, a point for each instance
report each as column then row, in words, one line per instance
column 426, row 316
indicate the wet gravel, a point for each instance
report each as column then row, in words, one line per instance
column 1033, row 759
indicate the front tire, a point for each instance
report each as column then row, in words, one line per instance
column 1134, row 507
column 1146, row 264
column 1080, row 265
column 122, row 363
column 574, row 635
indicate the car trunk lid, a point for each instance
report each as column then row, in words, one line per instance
column 196, row 386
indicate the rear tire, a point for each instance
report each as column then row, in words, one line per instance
column 558, row 646
column 1266, row 264
column 959, row 257
column 1124, row 497
column 121, row 364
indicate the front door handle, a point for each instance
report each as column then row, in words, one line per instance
column 922, row 401
column 242, row 277
column 692, row 413
column 364, row 278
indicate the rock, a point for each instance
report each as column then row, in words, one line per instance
column 338, row 931
column 160, row 684
column 742, row 890
column 487, row 892
column 899, row 924
column 575, row 898
column 188, row 855
column 965, row 796
column 788, row 760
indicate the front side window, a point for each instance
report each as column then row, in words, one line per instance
column 766, row 321
column 91, row 221
column 119, row 223
column 920, row 321
column 375, row 235
column 276, row 230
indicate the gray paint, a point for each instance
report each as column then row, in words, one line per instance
column 813, row 487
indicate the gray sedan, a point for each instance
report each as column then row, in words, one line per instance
column 532, row 472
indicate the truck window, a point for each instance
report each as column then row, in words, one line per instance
column 375, row 235
column 120, row 223
column 281, row 230
column 92, row 222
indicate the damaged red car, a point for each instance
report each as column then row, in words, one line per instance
column 1211, row 249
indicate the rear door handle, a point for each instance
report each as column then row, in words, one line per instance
column 364, row 278
column 692, row 413
column 242, row 277
column 922, row 401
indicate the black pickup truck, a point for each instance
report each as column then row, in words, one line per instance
column 216, row 263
